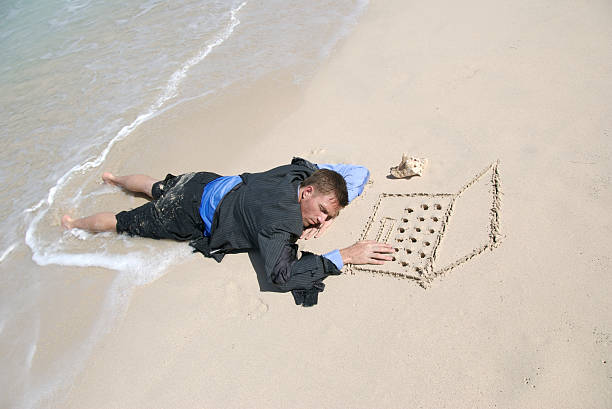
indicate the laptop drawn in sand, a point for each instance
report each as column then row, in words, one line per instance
column 429, row 242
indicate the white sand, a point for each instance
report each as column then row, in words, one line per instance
column 526, row 325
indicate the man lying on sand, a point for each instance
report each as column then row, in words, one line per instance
column 267, row 211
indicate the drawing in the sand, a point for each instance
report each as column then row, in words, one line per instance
column 416, row 225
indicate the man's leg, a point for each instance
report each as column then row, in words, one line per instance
column 101, row 222
column 133, row 183
column 98, row 222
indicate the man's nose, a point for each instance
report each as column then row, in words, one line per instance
column 322, row 217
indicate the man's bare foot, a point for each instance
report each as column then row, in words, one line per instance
column 109, row 178
column 67, row 222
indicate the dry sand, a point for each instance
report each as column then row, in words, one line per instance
column 526, row 325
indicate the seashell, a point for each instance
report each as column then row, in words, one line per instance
column 409, row 166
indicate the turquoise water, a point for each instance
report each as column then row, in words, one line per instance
column 76, row 77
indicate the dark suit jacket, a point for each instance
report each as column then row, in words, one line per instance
column 263, row 213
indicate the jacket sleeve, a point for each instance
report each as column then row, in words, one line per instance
column 283, row 267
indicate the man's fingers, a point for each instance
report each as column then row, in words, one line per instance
column 308, row 233
column 324, row 227
column 315, row 232
column 370, row 252
column 378, row 246
column 385, row 249
column 378, row 256
column 382, row 248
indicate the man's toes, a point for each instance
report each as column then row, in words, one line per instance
column 109, row 178
column 67, row 222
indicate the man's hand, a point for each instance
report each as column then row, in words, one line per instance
column 316, row 231
column 367, row 252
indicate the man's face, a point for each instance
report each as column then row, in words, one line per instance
column 317, row 208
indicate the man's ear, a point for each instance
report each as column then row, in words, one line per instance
column 308, row 191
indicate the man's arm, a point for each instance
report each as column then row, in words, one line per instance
column 287, row 272
column 284, row 269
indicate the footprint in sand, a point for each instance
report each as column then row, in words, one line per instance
column 240, row 304
column 256, row 308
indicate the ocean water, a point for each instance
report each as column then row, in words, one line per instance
column 76, row 78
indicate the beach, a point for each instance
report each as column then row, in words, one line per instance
column 521, row 85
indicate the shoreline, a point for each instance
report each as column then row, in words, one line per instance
column 514, row 327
